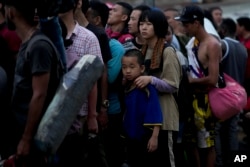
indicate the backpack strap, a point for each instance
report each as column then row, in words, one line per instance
column 42, row 37
column 166, row 45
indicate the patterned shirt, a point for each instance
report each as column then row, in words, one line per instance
column 84, row 42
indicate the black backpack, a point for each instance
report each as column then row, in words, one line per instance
column 184, row 96
column 41, row 37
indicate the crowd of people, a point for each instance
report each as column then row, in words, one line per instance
column 149, row 108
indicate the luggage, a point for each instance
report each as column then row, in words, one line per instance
column 67, row 102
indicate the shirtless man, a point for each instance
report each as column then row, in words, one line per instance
column 205, row 52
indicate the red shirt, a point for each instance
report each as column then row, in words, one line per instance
column 119, row 36
column 246, row 43
column 13, row 41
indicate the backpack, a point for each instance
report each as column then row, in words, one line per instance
column 184, row 96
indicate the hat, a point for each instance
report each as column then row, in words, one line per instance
column 191, row 13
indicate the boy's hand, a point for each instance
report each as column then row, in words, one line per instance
column 152, row 144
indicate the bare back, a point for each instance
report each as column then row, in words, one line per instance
column 209, row 55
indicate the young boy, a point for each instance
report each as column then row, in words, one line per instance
column 143, row 116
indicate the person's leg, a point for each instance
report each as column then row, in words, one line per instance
column 210, row 161
column 218, row 145
column 136, row 153
column 71, row 151
column 233, row 133
column 179, row 148
column 231, row 139
column 113, row 142
column 165, row 148
column 192, row 156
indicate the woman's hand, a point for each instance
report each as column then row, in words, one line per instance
column 142, row 81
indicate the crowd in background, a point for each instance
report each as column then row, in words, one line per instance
column 150, row 106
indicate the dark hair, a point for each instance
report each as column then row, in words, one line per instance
column 245, row 22
column 27, row 8
column 85, row 6
column 135, row 53
column 100, row 9
column 142, row 8
column 2, row 9
column 174, row 10
column 209, row 16
column 68, row 5
column 229, row 26
column 211, row 9
column 159, row 21
column 127, row 9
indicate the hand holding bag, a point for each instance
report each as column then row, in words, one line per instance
column 228, row 101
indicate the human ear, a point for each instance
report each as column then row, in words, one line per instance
column 98, row 20
column 142, row 69
column 124, row 17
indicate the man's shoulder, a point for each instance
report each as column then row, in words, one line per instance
column 83, row 32
column 40, row 37
column 212, row 41
column 233, row 41
column 114, row 43
column 96, row 30
column 39, row 43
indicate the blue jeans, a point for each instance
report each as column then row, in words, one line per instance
column 226, row 131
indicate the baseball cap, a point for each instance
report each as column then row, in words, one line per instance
column 190, row 13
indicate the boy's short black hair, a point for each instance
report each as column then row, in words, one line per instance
column 135, row 53
column 100, row 9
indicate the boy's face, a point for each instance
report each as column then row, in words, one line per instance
column 131, row 68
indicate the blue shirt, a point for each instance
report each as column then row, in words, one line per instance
column 114, row 67
column 143, row 110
